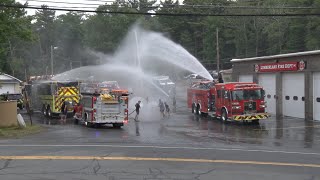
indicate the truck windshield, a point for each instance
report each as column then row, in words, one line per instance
column 14, row 96
column 247, row 94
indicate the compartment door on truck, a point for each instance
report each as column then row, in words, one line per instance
column 293, row 95
column 268, row 82
column 245, row 78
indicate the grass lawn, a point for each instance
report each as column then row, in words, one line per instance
column 16, row 131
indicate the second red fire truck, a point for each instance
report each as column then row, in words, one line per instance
column 102, row 104
column 237, row 101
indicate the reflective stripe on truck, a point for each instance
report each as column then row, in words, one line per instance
column 250, row 117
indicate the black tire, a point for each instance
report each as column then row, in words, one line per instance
column 198, row 112
column 255, row 122
column 43, row 110
column 117, row 125
column 91, row 125
column 48, row 112
column 85, row 117
column 76, row 121
column 204, row 114
column 192, row 109
column 96, row 125
column 88, row 124
column 224, row 115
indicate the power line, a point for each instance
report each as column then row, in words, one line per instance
column 61, row 2
column 184, row 5
column 158, row 14
column 206, row 6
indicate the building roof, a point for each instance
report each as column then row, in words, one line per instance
column 7, row 77
column 305, row 53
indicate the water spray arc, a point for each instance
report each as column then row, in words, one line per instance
column 141, row 56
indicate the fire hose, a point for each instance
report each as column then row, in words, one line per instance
column 132, row 112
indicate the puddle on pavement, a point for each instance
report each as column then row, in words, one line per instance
column 276, row 132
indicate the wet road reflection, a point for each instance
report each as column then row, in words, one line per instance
column 281, row 132
column 308, row 134
column 185, row 128
column 137, row 128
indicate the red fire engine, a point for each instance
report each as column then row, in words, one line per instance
column 100, row 105
column 236, row 101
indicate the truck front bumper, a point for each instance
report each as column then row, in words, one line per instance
column 251, row 117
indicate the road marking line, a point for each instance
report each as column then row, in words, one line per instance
column 160, row 147
column 156, row 159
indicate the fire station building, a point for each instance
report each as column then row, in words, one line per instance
column 291, row 82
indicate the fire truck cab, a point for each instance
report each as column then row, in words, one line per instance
column 237, row 101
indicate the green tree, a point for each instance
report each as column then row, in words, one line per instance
column 69, row 36
column 103, row 32
column 14, row 26
column 45, row 30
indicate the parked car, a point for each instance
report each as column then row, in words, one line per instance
column 191, row 76
column 164, row 82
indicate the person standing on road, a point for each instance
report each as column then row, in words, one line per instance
column 137, row 111
column 63, row 112
column 174, row 103
column 167, row 109
column 162, row 108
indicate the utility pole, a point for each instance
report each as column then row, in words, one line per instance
column 51, row 47
column 217, row 44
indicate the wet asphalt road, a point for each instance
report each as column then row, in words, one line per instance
column 183, row 146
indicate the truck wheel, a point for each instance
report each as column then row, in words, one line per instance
column 85, row 119
column 117, row 125
column 193, row 108
column 255, row 122
column 43, row 110
column 204, row 114
column 76, row 121
column 198, row 110
column 224, row 115
column 48, row 112
column 91, row 125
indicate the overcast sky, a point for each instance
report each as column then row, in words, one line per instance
column 82, row 4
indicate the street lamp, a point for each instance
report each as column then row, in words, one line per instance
column 52, row 48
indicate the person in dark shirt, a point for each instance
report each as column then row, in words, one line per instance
column 220, row 79
column 167, row 109
column 63, row 112
column 137, row 111
column 162, row 108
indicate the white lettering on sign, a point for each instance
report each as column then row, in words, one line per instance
column 290, row 65
column 269, row 67
column 280, row 66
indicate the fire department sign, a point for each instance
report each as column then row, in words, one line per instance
column 280, row 66
column 302, row 65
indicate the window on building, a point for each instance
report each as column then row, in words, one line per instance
column 295, row 98
column 302, row 98
column 287, row 97
column 318, row 99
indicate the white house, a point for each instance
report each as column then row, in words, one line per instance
column 9, row 84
